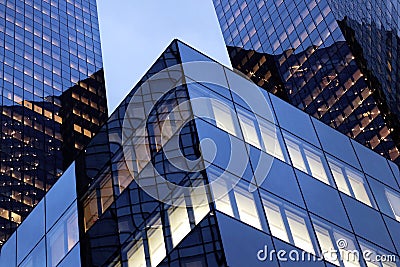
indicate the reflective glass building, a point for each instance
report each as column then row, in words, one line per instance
column 336, row 60
column 198, row 166
column 52, row 97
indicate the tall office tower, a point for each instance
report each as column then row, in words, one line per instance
column 198, row 166
column 336, row 60
column 52, row 98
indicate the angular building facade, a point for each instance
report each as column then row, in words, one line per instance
column 336, row 60
column 52, row 97
column 198, row 166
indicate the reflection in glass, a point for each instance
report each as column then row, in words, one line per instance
column 63, row 236
column 200, row 203
column 275, row 221
column 326, row 244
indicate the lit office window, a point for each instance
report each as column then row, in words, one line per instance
column 155, row 239
column 326, row 245
column 350, row 181
column 288, row 225
column 246, row 207
column 224, row 117
column 348, row 256
column 200, row 203
column 275, row 221
column 394, row 201
column 179, row 224
column 249, row 130
column 63, row 236
column 298, row 228
column 221, row 197
column 136, row 256
column 307, row 159
column 271, row 139
column 296, row 156
column 336, row 246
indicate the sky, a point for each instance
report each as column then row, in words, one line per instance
column 134, row 33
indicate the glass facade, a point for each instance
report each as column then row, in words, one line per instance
column 336, row 60
column 309, row 200
column 52, row 98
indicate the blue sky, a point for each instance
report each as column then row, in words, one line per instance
column 134, row 33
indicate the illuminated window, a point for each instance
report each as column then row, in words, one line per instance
column 155, row 239
column 179, row 223
column 249, row 130
column 221, row 198
column 63, row 236
column 350, row 181
column 394, row 201
column 271, row 140
column 298, row 228
column 200, row 203
column 275, row 221
column 307, row 159
column 224, row 117
column 288, row 225
column 246, row 207
column 136, row 256
column 326, row 244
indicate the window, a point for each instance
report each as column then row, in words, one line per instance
column 136, row 256
column 272, row 140
column 224, row 117
column 307, row 159
column 200, row 203
column 326, row 244
column 247, row 207
column 275, row 221
column 299, row 232
column 179, row 223
column 236, row 201
column 63, row 236
column 249, row 130
column 336, row 245
column 394, row 201
column 288, row 225
column 155, row 238
column 350, row 181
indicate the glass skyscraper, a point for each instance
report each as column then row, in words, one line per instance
column 198, row 166
column 336, row 60
column 52, row 97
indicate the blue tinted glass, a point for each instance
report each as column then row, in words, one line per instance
column 367, row 222
column 375, row 165
column 395, row 170
column 37, row 258
column 393, row 227
column 382, row 195
column 8, row 255
column 60, row 196
column 73, row 258
column 294, row 121
column 26, row 238
column 336, row 143
column 281, row 181
column 236, row 246
column 323, row 200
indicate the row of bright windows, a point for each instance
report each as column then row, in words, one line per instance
column 265, row 136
